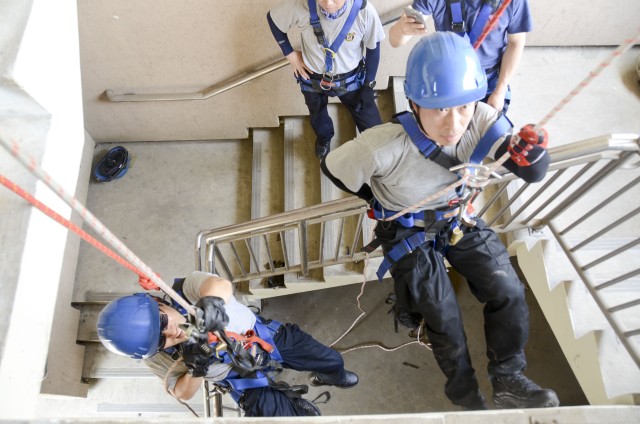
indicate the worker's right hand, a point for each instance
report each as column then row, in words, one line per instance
column 215, row 317
column 297, row 63
column 196, row 359
column 366, row 98
column 409, row 26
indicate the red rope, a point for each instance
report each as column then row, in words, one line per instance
column 71, row 226
column 491, row 23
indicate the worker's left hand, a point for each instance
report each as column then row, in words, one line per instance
column 215, row 317
column 195, row 359
column 530, row 147
column 366, row 98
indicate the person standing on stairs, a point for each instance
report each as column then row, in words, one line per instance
column 340, row 57
column 499, row 53
column 145, row 327
column 398, row 165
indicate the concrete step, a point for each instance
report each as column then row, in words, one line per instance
column 590, row 353
column 101, row 363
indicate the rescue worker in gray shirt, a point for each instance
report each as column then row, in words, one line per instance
column 340, row 56
column 397, row 165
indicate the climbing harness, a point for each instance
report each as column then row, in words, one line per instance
column 328, row 80
column 254, row 358
column 458, row 15
column 458, row 212
column 113, row 165
column 338, row 85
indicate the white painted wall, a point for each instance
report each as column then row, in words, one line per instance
column 49, row 124
column 164, row 46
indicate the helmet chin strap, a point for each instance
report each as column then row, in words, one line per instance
column 415, row 109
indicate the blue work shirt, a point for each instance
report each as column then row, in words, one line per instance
column 515, row 19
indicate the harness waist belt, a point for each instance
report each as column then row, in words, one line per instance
column 493, row 69
column 409, row 219
column 339, row 77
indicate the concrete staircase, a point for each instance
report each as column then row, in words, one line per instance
column 603, row 367
column 285, row 176
column 595, row 227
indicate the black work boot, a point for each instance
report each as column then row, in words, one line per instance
column 517, row 391
column 305, row 407
column 323, row 147
column 350, row 379
column 474, row 401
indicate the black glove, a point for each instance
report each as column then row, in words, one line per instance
column 366, row 98
column 531, row 146
column 196, row 358
column 215, row 318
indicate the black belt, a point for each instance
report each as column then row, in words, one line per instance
column 493, row 69
column 338, row 77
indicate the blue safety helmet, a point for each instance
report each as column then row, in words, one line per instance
column 130, row 326
column 113, row 165
column 443, row 71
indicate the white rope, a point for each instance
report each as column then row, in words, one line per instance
column 363, row 313
column 28, row 161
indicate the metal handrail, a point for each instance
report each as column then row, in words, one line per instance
column 214, row 90
column 584, row 158
column 296, row 224
column 596, row 161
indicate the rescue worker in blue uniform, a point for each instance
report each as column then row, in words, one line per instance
column 499, row 53
column 399, row 164
column 340, row 57
column 145, row 327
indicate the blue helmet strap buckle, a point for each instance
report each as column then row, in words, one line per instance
column 456, row 10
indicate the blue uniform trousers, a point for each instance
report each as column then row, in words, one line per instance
column 300, row 352
column 422, row 286
column 321, row 122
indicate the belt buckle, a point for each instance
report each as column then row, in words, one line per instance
column 407, row 247
column 458, row 27
column 326, row 83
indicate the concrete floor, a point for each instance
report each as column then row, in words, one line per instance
column 175, row 189
column 407, row 380
column 162, row 194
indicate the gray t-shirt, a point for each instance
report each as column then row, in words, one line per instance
column 241, row 319
column 365, row 32
column 385, row 158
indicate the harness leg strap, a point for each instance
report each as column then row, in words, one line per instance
column 400, row 250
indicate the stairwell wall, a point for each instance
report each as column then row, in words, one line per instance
column 163, row 46
column 41, row 109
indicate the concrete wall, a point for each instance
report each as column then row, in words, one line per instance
column 163, row 46
column 41, row 109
